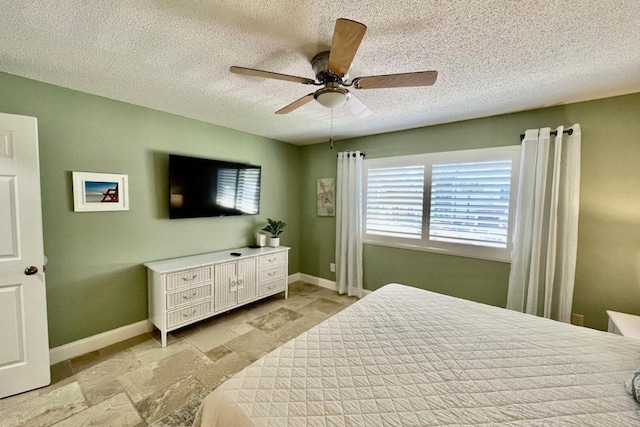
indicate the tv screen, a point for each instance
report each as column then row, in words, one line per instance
column 205, row 187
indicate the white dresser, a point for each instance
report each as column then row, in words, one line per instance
column 188, row 289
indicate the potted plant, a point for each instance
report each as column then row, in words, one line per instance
column 275, row 229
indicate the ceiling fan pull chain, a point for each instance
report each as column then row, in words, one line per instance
column 331, row 133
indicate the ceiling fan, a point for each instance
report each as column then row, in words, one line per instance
column 331, row 68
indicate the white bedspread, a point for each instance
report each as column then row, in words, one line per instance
column 408, row 357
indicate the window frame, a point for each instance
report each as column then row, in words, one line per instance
column 425, row 244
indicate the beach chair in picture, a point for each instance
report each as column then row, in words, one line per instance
column 111, row 195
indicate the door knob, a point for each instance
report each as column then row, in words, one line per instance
column 30, row 271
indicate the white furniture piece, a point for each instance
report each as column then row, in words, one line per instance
column 624, row 324
column 188, row 289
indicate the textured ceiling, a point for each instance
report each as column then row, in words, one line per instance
column 493, row 57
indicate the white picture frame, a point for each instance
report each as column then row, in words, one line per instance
column 98, row 192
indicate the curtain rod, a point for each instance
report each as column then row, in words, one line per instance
column 354, row 154
column 553, row 132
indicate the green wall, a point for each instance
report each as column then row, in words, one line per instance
column 608, row 265
column 95, row 278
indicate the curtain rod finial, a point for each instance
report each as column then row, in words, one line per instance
column 553, row 132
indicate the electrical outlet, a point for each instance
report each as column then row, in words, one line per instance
column 332, row 267
column 577, row 319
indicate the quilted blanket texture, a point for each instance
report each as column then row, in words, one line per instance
column 407, row 357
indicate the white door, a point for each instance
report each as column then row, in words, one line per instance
column 24, row 341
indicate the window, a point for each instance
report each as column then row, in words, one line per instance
column 394, row 201
column 457, row 202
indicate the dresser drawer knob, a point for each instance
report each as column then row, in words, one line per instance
column 190, row 296
column 186, row 279
column 190, row 314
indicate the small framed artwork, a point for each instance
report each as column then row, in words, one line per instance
column 100, row 192
column 326, row 191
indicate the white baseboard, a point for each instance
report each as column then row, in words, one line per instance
column 95, row 342
column 295, row 277
column 324, row 283
column 319, row 281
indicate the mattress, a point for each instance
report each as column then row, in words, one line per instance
column 407, row 357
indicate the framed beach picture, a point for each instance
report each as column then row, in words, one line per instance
column 326, row 193
column 100, row 192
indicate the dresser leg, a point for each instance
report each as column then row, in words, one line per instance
column 164, row 338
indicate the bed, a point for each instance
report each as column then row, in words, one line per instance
column 408, row 357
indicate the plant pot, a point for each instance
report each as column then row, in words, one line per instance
column 274, row 242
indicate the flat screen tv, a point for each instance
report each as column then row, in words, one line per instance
column 206, row 187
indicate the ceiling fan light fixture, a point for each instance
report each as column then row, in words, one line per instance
column 331, row 97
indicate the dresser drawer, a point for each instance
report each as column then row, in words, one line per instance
column 186, row 314
column 270, row 273
column 188, row 277
column 187, row 296
column 272, row 286
column 271, row 260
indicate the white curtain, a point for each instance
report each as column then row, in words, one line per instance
column 545, row 238
column 349, row 224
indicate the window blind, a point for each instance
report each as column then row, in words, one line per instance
column 394, row 201
column 470, row 203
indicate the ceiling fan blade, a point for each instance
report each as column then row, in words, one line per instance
column 357, row 107
column 419, row 78
column 270, row 75
column 347, row 36
column 296, row 104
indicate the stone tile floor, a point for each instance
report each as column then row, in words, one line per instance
column 138, row 383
